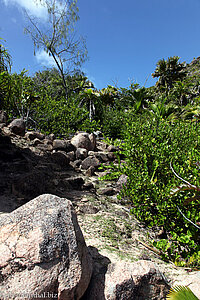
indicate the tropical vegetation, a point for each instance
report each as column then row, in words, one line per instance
column 156, row 128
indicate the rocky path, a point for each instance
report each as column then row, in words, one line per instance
column 33, row 166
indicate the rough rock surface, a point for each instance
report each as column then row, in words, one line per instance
column 17, row 126
column 90, row 161
column 139, row 280
column 93, row 141
column 42, row 249
column 123, row 280
column 84, row 140
column 31, row 135
column 81, row 153
column 3, row 117
column 61, row 158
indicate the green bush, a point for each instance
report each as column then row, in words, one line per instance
column 17, row 94
column 113, row 122
column 61, row 118
column 149, row 147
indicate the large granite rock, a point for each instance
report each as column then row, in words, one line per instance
column 123, row 280
column 138, row 281
column 42, row 250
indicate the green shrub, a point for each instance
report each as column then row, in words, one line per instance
column 113, row 122
column 149, row 147
column 60, row 117
column 17, row 94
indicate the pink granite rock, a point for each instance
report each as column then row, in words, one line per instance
column 42, row 250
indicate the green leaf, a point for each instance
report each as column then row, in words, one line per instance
column 181, row 293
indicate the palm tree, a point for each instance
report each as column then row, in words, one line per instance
column 169, row 71
column 91, row 99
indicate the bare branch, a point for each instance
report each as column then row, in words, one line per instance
column 57, row 37
column 193, row 186
column 187, row 218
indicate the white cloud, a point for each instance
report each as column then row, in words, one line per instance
column 44, row 59
column 33, row 7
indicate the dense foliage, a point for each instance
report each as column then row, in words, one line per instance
column 149, row 147
column 159, row 127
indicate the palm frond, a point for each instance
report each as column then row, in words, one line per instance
column 181, row 293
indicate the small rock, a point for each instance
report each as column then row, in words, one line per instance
column 36, row 142
column 84, row 140
column 125, row 281
column 76, row 164
column 98, row 134
column 60, row 158
column 7, row 131
column 92, row 138
column 2, row 125
column 75, row 182
column 69, row 147
column 84, row 199
column 59, row 145
column 111, row 156
column 71, row 155
column 90, row 171
column 17, row 126
column 45, row 147
column 88, row 186
column 32, row 135
column 48, row 142
column 90, row 161
column 139, row 280
column 51, row 136
column 81, row 153
column 87, row 209
column 107, row 191
column 3, row 117
column 122, row 180
column 102, row 156
column 112, row 148
column 102, row 146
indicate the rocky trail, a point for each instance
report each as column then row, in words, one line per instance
column 32, row 164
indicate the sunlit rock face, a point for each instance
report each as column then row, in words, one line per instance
column 42, row 250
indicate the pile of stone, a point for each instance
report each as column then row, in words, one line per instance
column 83, row 151
column 43, row 254
column 32, row 164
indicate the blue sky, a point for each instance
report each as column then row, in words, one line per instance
column 124, row 39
